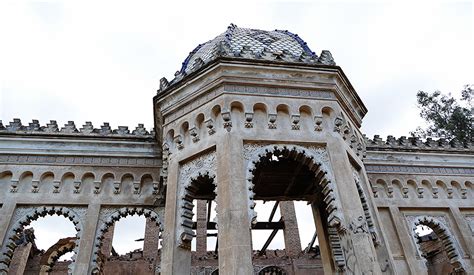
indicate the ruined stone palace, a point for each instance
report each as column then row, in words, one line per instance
column 251, row 116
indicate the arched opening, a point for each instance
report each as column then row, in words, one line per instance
column 437, row 246
column 281, row 176
column 128, row 233
column 202, row 222
column 32, row 236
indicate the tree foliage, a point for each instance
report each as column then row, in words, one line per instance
column 447, row 117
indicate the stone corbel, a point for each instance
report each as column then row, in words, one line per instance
column 353, row 141
column 136, row 187
column 227, row 121
column 390, row 191
column 194, row 134
column 318, row 121
column 420, row 191
column 35, row 186
column 295, row 119
column 405, row 192
column 463, row 193
column 435, row 192
column 337, row 124
column 116, row 187
column 156, row 187
column 248, row 120
column 375, row 191
column 210, row 126
column 450, row 192
column 77, row 186
column 56, row 186
column 14, row 185
column 97, row 187
column 178, row 139
column 272, row 121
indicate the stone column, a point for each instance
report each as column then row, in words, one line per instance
column 106, row 248
column 235, row 248
column 174, row 260
column 408, row 247
column 6, row 213
column 151, row 240
column 362, row 246
column 201, row 230
column 323, row 241
column 86, row 243
column 20, row 259
column 291, row 232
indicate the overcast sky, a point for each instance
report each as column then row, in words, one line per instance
column 101, row 61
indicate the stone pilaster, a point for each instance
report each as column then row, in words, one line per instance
column 86, row 243
column 291, row 233
column 362, row 247
column 174, row 259
column 235, row 248
column 20, row 259
column 6, row 213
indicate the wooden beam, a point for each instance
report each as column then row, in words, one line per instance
column 293, row 179
column 209, row 205
column 269, row 240
column 258, row 226
column 273, row 211
column 310, row 245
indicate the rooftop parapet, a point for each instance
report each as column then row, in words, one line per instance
column 52, row 128
column 415, row 143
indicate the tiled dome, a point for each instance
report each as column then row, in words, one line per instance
column 243, row 43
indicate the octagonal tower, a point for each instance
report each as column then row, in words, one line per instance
column 256, row 115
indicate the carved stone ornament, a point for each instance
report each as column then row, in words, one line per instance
column 107, row 218
column 319, row 161
column 24, row 215
column 203, row 165
column 248, row 120
column 210, row 126
column 442, row 228
column 318, row 121
column 365, row 206
column 227, row 121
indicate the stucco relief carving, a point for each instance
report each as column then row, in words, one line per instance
column 79, row 160
column 24, row 215
column 367, row 212
column 318, row 158
column 203, row 165
column 172, row 100
column 440, row 225
column 358, row 248
column 108, row 216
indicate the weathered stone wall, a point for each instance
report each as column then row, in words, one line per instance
column 428, row 183
column 79, row 174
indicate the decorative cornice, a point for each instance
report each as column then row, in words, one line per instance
column 69, row 129
column 415, row 143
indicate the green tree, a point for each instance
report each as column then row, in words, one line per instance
column 447, row 117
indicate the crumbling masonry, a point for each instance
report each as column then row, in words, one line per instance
column 251, row 116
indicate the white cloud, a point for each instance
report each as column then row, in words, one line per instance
column 102, row 60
